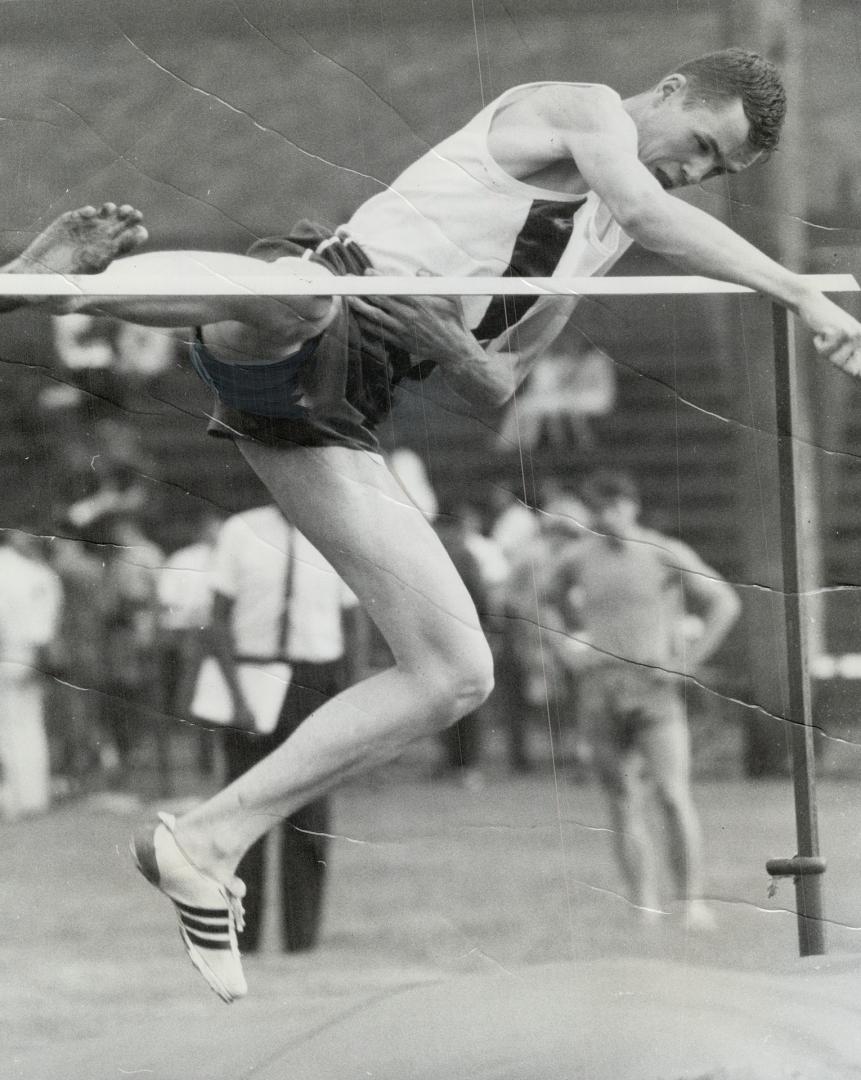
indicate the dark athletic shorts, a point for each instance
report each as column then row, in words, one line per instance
column 333, row 391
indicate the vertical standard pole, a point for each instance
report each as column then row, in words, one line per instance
column 807, row 866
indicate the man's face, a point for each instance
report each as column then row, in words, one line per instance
column 564, row 516
column 685, row 142
column 616, row 517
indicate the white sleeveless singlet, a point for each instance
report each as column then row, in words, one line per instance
column 456, row 212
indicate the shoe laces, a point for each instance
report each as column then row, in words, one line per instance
column 237, row 911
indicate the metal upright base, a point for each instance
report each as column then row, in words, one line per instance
column 807, row 866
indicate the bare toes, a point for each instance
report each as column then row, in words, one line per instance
column 82, row 214
column 132, row 238
column 108, row 209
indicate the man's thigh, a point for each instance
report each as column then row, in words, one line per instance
column 311, row 686
column 665, row 744
column 351, row 508
column 608, row 732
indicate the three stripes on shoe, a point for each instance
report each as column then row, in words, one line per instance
column 208, row 928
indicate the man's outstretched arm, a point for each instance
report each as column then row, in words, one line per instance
column 601, row 145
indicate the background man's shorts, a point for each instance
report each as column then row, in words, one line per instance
column 620, row 700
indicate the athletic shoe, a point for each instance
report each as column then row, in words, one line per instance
column 209, row 913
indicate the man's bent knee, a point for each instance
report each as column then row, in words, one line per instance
column 475, row 682
column 461, row 685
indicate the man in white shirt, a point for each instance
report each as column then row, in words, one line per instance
column 184, row 592
column 30, row 601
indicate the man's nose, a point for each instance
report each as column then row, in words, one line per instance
column 694, row 171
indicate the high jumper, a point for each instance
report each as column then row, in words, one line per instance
column 553, row 179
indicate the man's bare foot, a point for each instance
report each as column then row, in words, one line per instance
column 84, row 241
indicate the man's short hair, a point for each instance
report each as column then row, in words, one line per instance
column 739, row 73
column 604, row 487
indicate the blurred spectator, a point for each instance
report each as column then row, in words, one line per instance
column 275, row 598
column 88, row 343
column 74, row 704
column 513, row 525
column 83, row 342
column 130, row 608
column 185, row 610
column 142, row 352
column 461, row 743
column 104, row 373
column 492, row 562
column 534, row 673
column 185, row 593
column 565, row 389
column 629, row 586
column 114, row 474
column 410, row 471
column 30, row 602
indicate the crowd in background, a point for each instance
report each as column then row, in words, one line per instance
column 117, row 628
column 114, row 651
column 110, row 662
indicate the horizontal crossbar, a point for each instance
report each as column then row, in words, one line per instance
column 205, row 282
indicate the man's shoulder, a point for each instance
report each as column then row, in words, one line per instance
column 259, row 521
column 579, row 104
column 255, row 513
column 190, row 557
column 652, row 536
column 670, row 549
column 577, row 550
column 23, row 568
column 579, row 91
column 149, row 555
column 639, row 545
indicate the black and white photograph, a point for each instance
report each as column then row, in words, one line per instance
column 430, row 627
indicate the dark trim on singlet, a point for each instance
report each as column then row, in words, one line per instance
column 537, row 250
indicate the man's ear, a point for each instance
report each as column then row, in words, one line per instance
column 672, row 84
